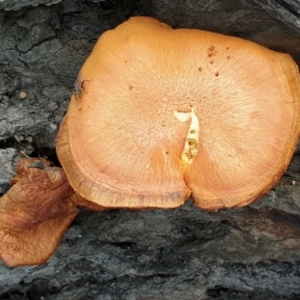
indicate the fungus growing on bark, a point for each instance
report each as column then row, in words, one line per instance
column 35, row 213
column 168, row 113
column 157, row 115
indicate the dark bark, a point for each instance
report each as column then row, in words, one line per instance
column 184, row 253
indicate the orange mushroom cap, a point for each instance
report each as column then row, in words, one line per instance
column 35, row 213
column 160, row 113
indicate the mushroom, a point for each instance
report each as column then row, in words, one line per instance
column 35, row 213
column 158, row 115
column 166, row 113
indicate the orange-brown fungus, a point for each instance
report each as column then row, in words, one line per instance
column 124, row 147
column 35, row 213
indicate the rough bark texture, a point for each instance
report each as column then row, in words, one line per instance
column 185, row 253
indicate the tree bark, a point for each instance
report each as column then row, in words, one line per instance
column 184, row 253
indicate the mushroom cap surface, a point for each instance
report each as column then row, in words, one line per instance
column 129, row 118
column 35, row 213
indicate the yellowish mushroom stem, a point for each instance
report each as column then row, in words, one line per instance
column 191, row 146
